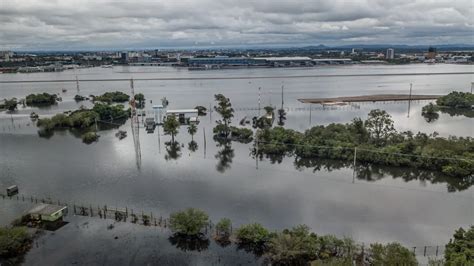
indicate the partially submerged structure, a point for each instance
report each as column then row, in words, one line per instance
column 48, row 212
column 185, row 116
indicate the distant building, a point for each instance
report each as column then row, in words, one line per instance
column 390, row 54
column 124, row 57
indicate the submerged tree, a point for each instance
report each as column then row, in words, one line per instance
column 140, row 99
column 170, row 126
column 190, row 222
column 10, row 105
column 223, row 108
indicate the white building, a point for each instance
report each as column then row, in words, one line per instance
column 390, row 54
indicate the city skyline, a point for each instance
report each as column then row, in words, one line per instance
column 94, row 25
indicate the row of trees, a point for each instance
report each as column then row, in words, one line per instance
column 377, row 142
column 295, row 246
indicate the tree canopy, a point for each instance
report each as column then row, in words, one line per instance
column 171, row 126
column 41, row 99
column 225, row 110
column 460, row 249
column 189, row 222
column 13, row 241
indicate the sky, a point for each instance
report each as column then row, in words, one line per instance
column 110, row 24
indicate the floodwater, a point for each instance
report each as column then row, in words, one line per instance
column 390, row 204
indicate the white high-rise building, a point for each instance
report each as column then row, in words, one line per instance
column 390, row 54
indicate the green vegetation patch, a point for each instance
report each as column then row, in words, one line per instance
column 14, row 241
column 41, row 99
column 377, row 142
column 112, row 97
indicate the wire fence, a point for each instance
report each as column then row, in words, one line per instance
column 147, row 218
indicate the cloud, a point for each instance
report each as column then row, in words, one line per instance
column 104, row 24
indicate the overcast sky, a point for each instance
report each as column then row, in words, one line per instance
column 108, row 24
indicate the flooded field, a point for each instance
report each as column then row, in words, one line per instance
column 388, row 204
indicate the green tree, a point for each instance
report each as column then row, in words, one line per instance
column 380, row 126
column 10, row 105
column 192, row 129
column 170, row 126
column 224, row 108
column 294, row 247
column 460, row 250
column 140, row 98
column 13, row 241
column 189, row 222
column 253, row 233
column 224, row 228
column 391, row 254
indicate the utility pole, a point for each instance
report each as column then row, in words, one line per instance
column 259, row 90
column 77, row 84
column 282, row 97
column 472, row 85
column 355, row 164
column 409, row 99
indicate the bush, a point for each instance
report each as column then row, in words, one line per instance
column 90, row 137
column 10, row 105
column 41, row 99
column 241, row 134
column 189, row 222
column 293, row 247
column 112, row 97
column 110, row 112
column 79, row 98
column 253, row 233
column 13, row 241
column 224, row 227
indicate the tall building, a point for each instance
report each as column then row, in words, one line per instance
column 390, row 54
column 124, row 57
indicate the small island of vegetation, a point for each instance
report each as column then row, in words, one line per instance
column 376, row 141
column 83, row 120
column 111, row 97
column 9, row 104
column 455, row 103
column 41, row 99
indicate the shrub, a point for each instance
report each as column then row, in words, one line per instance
column 224, row 227
column 460, row 249
column 41, row 99
column 189, row 222
column 13, row 241
column 90, row 137
column 253, row 233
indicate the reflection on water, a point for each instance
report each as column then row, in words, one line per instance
column 227, row 183
column 224, row 154
column 189, row 243
column 173, row 150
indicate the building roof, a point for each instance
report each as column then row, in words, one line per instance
column 182, row 111
column 157, row 106
column 46, row 209
column 295, row 58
